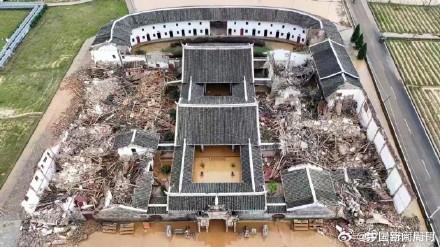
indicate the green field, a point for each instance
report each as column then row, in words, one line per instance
column 398, row 18
column 9, row 21
column 32, row 76
column 419, row 65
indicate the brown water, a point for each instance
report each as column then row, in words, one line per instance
column 217, row 165
column 279, row 235
column 327, row 9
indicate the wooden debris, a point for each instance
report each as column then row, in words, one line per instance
column 126, row 229
column 108, row 227
column 300, row 225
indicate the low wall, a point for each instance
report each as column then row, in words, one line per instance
column 394, row 182
column 44, row 173
column 22, row 30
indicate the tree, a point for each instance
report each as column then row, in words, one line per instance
column 356, row 32
column 362, row 51
column 359, row 41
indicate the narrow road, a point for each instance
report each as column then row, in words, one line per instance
column 421, row 159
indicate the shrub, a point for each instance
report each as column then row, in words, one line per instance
column 166, row 169
column 260, row 51
column 272, row 186
column 360, row 41
column 362, row 52
column 356, row 33
column 173, row 93
column 168, row 136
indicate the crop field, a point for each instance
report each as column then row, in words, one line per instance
column 399, row 18
column 32, row 76
column 9, row 21
column 419, row 65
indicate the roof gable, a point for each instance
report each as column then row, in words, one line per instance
column 307, row 185
column 217, row 124
column 217, row 63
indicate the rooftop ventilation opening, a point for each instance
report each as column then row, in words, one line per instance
column 218, row 89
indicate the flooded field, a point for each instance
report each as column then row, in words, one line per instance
column 332, row 10
column 279, row 235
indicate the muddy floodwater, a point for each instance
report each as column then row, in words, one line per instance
column 279, row 235
column 332, row 9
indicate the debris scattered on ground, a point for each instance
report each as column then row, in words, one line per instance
column 106, row 100
column 294, row 114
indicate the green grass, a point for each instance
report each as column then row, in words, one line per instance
column 399, row 18
column 13, row 135
column 9, row 21
column 32, row 76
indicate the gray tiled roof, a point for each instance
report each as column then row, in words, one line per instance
column 276, row 209
column 299, row 189
column 335, row 69
column 158, row 200
column 190, row 203
column 344, row 59
column 237, row 94
column 142, row 138
column 157, row 210
column 142, row 191
column 217, row 125
column 103, row 34
column 325, row 59
column 275, row 199
column 227, row 63
column 123, row 27
column 201, row 203
column 217, row 63
column 330, row 85
column 324, row 187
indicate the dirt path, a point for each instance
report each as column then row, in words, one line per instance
column 27, row 114
column 17, row 184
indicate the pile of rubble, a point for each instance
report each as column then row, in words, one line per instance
column 294, row 114
column 90, row 173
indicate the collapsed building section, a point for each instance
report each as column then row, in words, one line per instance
column 212, row 132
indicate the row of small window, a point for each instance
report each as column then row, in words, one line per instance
column 277, row 34
column 259, row 24
column 177, row 24
column 171, row 34
column 259, row 32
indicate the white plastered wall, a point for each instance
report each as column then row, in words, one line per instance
column 401, row 196
column 267, row 29
column 127, row 152
column 107, row 53
column 166, row 30
column 40, row 180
